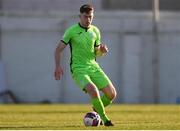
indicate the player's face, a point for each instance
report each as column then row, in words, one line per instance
column 86, row 19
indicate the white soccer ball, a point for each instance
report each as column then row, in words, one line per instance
column 92, row 119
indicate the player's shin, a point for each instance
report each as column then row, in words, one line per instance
column 99, row 107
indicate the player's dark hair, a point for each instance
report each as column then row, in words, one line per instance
column 86, row 8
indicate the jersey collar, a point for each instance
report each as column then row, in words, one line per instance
column 83, row 27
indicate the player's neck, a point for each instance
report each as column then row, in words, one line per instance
column 83, row 26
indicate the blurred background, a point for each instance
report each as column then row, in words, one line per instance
column 143, row 37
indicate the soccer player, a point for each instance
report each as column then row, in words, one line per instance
column 85, row 44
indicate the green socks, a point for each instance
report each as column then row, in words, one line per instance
column 99, row 104
column 105, row 100
column 99, row 107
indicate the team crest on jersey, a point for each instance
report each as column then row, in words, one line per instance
column 92, row 34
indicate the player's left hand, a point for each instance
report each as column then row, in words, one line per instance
column 103, row 48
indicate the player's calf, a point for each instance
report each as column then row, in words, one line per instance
column 110, row 92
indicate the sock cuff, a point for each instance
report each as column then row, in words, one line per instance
column 96, row 99
column 106, row 98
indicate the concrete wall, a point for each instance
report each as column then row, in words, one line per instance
column 172, row 5
column 28, row 44
column 62, row 5
column 47, row 5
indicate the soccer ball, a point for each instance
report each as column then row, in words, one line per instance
column 92, row 119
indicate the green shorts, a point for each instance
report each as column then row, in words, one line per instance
column 95, row 75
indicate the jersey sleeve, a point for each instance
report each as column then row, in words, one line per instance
column 66, row 37
column 98, row 37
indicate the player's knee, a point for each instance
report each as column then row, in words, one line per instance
column 94, row 93
column 92, row 90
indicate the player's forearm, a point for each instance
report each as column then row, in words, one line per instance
column 98, row 52
column 60, row 47
column 57, row 57
column 101, row 50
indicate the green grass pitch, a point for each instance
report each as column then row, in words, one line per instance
column 69, row 116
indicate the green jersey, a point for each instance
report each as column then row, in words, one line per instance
column 82, row 43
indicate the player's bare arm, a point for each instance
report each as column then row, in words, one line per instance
column 101, row 50
column 58, row 69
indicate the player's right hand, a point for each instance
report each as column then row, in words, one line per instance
column 58, row 73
